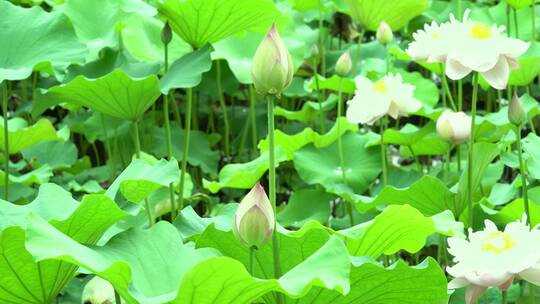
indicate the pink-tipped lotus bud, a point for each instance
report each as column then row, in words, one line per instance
column 454, row 127
column 344, row 64
column 166, row 34
column 272, row 68
column 384, row 33
column 254, row 220
column 516, row 113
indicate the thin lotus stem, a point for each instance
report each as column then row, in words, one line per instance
column 340, row 147
column 516, row 23
column 112, row 164
column 459, row 10
column 447, row 88
column 319, row 95
column 504, row 297
column 382, row 125
column 187, row 132
column 6, row 139
column 471, row 148
column 223, row 108
column 460, row 95
column 533, row 21
column 251, row 259
column 321, row 40
column 138, row 154
column 532, row 293
column 167, row 125
column 523, row 176
column 272, row 189
column 117, row 298
column 252, row 101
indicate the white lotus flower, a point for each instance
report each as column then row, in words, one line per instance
column 454, row 127
column 469, row 46
column 485, row 49
column 493, row 258
column 389, row 96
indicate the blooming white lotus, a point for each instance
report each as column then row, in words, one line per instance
column 469, row 46
column 389, row 96
column 493, row 258
column 454, row 127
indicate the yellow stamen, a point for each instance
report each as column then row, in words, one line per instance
column 380, row 86
column 481, row 31
column 498, row 242
column 434, row 36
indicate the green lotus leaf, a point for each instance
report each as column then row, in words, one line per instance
column 187, row 71
column 21, row 136
column 24, row 280
column 370, row 13
column 37, row 41
column 200, row 22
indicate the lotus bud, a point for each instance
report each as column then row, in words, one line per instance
column 272, row 69
column 454, row 127
column 314, row 50
column 384, row 33
column 98, row 291
column 166, row 34
column 516, row 113
column 254, row 220
column 344, row 64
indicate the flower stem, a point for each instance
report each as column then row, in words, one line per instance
column 532, row 293
column 504, row 297
column 138, row 154
column 272, row 189
column 185, row 154
column 340, row 148
column 251, row 259
column 471, row 148
column 117, row 298
column 252, row 113
column 167, row 125
column 447, row 88
column 382, row 124
column 319, row 96
column 223, row 108
column 516, row 23
column 523, row 177
column 6, row 139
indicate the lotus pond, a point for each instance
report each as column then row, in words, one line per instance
column 260, row 151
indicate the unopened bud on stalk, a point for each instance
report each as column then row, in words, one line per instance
column 272, row 69
column 97, row 290
column 454, row 127
column 384, row 33
column 344, row 64
column 254, row 220
column 516, row 113
column 314, row 50
column 166, row 33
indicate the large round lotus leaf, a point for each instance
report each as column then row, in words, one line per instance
column 199, row 22
column 370, row 13
column 34, row 39
column 322, row 165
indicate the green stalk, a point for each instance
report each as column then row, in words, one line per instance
column 251, row 259
column 504, row 297
column 447, row 88
column 223, row 107
column 112, row 164
column 533, row 21
column 319, row 96
column 523, row 176
column 252, row 113
column 382, row 125
column 117, row 298
column 6, row 139
column 471, row 146
column 167, row 124
column 516, row 24
column 272, row 190
column 459, row 10
column 138, row 154
column 340, row 147
column 187, row 132
column 460, row 95
column 532, row 293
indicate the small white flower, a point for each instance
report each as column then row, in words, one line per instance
column 389, row 96
column 434, row 42
column 493, row 258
